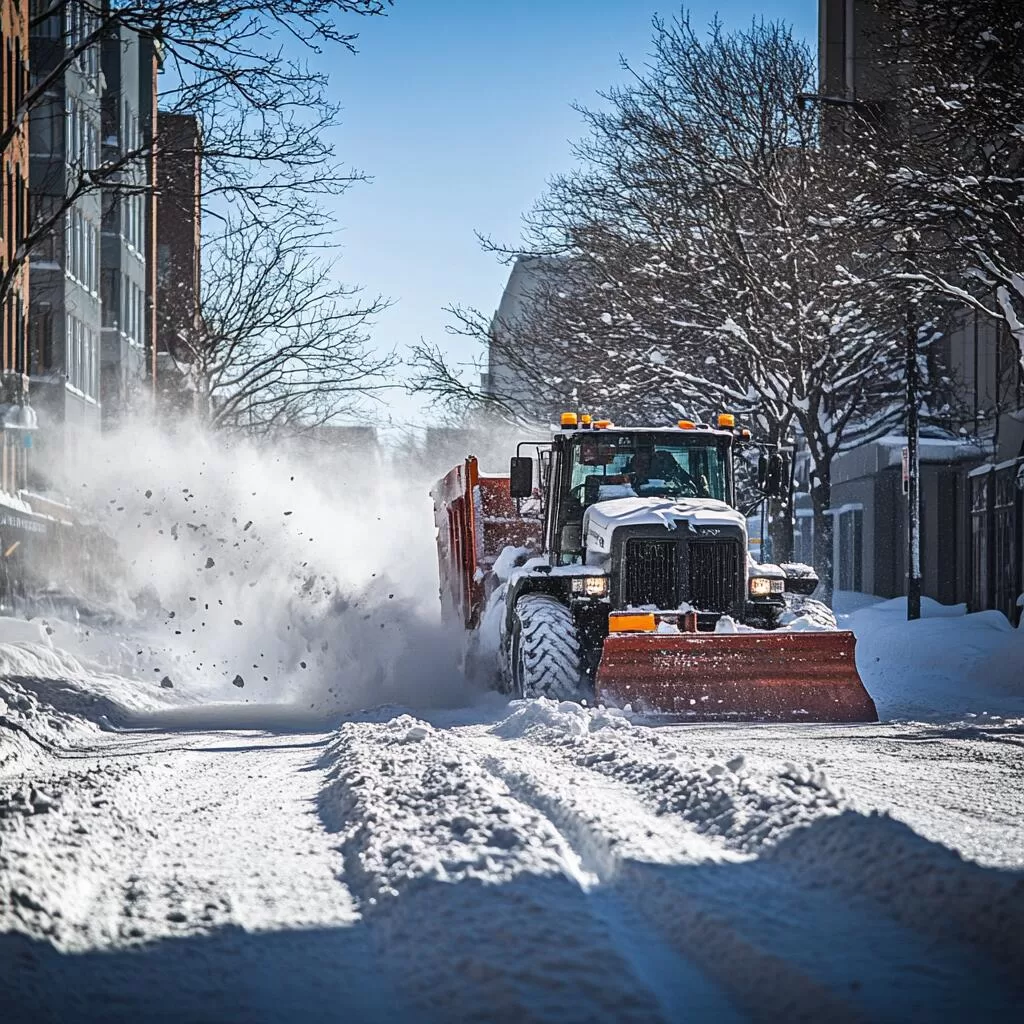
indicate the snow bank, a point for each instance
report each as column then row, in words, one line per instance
column 920, row 883
column 716, row 795
column 946, row 665
column 50, row 699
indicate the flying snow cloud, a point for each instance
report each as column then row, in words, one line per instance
column 261, row 574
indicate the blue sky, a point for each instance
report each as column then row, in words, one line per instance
column 460, row 111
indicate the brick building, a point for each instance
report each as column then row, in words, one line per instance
column 17, row 420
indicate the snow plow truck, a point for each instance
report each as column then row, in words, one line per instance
column 613, row 568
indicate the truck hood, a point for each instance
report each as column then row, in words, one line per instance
column 602, row 518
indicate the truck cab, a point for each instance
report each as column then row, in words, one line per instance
column 644, row 519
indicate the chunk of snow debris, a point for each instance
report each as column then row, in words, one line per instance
column 510, row 558
column 737, row 764
column 606, row 319
column 416, row 733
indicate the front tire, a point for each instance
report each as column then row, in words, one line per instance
column 544, row 652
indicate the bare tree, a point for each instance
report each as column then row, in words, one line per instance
column 264, row 114
column 278, row 345
column 705, row 260
column 952, row 173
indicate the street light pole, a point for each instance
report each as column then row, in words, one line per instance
column 913, row 477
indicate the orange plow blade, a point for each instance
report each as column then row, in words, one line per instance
column 794, row 677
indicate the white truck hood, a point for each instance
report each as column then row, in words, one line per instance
column 601, row 519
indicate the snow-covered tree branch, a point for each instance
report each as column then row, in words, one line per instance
column 278, row 345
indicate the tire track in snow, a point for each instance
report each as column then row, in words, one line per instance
column 205, row 888
column 864, row 858
column 733, row 914
column 726, row 968
column 475, row 895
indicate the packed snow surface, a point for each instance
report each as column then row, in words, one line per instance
column 191, row 852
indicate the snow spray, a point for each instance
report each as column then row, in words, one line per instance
column 260, row 573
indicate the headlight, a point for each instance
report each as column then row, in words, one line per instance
column 762, row 586
column 590, row 586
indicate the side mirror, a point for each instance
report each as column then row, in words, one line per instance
column 520, row 477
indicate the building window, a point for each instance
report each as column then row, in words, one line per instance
column 803, row 537
column 41, row 338
column 163, row 264
column 1005, row 534
column 45, row 129
column 110, row 292
column 48, row 28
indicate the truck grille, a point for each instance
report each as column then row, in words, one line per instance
column 652, row 573
column 714, row 575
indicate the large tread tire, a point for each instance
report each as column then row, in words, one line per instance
column 545, row 651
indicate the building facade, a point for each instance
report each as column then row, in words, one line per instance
column 17, row 420
column 65, row 313
column 127, row 289
column 972, row 473
column 179, row 221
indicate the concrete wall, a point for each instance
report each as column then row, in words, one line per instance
column 505, row 381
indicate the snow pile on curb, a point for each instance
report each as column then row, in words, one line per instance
column 716, row 796
column 920, row 883
column 947, row 664
column 49, row 699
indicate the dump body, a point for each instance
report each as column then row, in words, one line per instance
column 475, row 519
column 763, row 676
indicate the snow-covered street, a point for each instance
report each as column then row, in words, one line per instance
column 532, row 861
column 271, row 797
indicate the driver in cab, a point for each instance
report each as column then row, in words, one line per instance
column 658, row 472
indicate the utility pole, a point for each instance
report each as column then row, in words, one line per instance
column 913, row 477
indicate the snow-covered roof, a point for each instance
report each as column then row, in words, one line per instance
column 700, row 430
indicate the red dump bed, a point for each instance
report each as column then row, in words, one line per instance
column 475, row 518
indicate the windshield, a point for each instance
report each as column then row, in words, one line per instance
column 608, row 465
